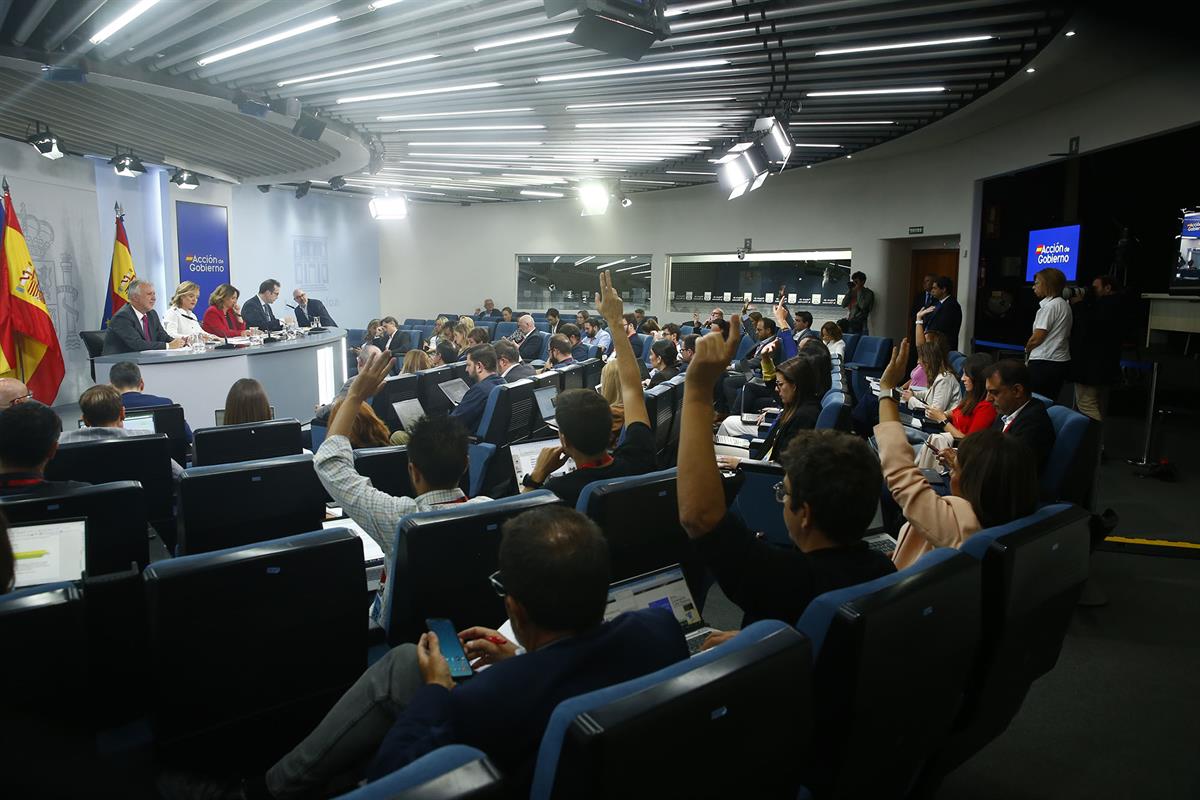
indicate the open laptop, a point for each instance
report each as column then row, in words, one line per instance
column 525, row 456
column 373, row 558
column 143, row 423
column 547, row 402
column 454, row 390
column 408, row 412
column 662, row 588
column 219, row 414
column 48, row 551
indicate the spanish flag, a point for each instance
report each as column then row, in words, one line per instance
column 29, row 348
column 120, row 273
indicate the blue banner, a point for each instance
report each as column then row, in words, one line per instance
column 203, row 236
column 1053, row 247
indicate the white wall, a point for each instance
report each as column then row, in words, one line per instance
column 1093, row 85
column 70, row 203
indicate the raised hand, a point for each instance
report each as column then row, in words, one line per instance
column 896, row 368
column 609, row 302
column 714, row 351
column 371, row 377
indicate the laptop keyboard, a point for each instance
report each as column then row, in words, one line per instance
column 694, row 644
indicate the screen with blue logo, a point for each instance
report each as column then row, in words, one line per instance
column 1053, row 247
column 1191, row 225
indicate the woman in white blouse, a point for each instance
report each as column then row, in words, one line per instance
column 831, row 335
column 180, row 319
column 943, row 391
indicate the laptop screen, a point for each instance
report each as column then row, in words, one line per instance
column 219, row 413
column 664, row 588
column 525, row 456
column 408, row 412
column 547, row 399
column 140, row 422
column 48, row 552
column 454, row 389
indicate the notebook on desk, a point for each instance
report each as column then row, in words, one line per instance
column 663, row 588
column 48, row 552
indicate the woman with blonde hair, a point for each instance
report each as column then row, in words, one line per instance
column 466, row 322
column 610, row 390
column 224, row 316
column 414, row 362
column 180, row 319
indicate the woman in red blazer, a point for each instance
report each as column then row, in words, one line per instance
column 223, row 317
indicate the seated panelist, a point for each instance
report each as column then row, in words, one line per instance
column 257, row 311
column 223, row 317
column 180, row 319
column 307, row 310
column 136, row 327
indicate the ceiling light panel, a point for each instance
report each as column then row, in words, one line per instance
column 518, row 143
column 867, row 92
column 641, row 103
column 473, row 128
column 903, row 45
column 267, row 40
column 533, row 36
column 124, row 19
column 638, row 70
column 466, row 87
column 463, row 113
column 337, row 73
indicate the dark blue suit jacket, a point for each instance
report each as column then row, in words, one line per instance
column 257, row 314
column 140, row 400
column 504, row 709
column 470, row 410
column 947, row 320
column 579, row 352
column 315, row 309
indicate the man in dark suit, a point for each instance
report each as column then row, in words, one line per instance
column 307, row 309
column 257, row 311
column 554, row 574
column 579, row 350
column 136, row 326
column 489, row 310
column 391, row 340
column 509, row 363
column 126, row 378
column 481, row 365
column 527, row 339
column 945, row 316
column 1022, row 416
column 924, row 298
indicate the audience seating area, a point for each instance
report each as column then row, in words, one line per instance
column 233, row 648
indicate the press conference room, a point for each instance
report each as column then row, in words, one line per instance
column 816, row 417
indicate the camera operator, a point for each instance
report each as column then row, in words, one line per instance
column 1096, row 343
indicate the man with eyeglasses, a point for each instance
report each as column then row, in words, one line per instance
column 829, row 493
column 554, row 577
column 13, row 392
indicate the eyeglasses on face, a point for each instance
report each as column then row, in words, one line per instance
column 497, row 586
column 781, row 492
column 23, row 398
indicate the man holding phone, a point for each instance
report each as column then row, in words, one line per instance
column 554, row 577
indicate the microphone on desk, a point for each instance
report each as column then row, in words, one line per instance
column 289, row 305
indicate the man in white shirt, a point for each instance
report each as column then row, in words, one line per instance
column 1049, row 346
column 104, row 418
column 596, row 336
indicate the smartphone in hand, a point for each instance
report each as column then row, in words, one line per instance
column 451, row 647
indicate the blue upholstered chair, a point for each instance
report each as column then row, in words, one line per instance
column 835, row 412
column 1033, row 571
column 509, row 415
column 755, row 503
column 239, row 637
column 441, row 561
column 1071, row 467
column 116, row 521
column 229, row 444
column 891, row 661
column 503, row 329
column 660, row 406
column 453, row 772
column 851, row 341
column 747, row 703
column 657, row 540
column 870, row 358
column 744, row 347
column 541, row 324
column 230, row 505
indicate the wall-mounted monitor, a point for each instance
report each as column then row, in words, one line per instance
column 1053, row 247
column 570, row 281
column 805, row 277
column 1185, row 277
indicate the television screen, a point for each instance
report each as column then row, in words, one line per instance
column 1053, row 247
column 1185, row 278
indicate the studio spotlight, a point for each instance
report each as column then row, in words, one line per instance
column 778, row 143
column 337, row 182
column 264, row 187
column 302, row 189
column 625, row 202
column 388, row 207
column 46, row 143
column 745, row 173
column 127, row 166
column 594, row 196
column 185, row 179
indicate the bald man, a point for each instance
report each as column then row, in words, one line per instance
column 12, row 392
column 529, row 343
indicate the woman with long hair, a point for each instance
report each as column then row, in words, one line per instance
column 973, row 414
column 942, row 391
column 246, row 402
column 414, row 362
column 368, row 429
column 223, row 317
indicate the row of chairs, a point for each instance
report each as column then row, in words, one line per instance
column 879, row 691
